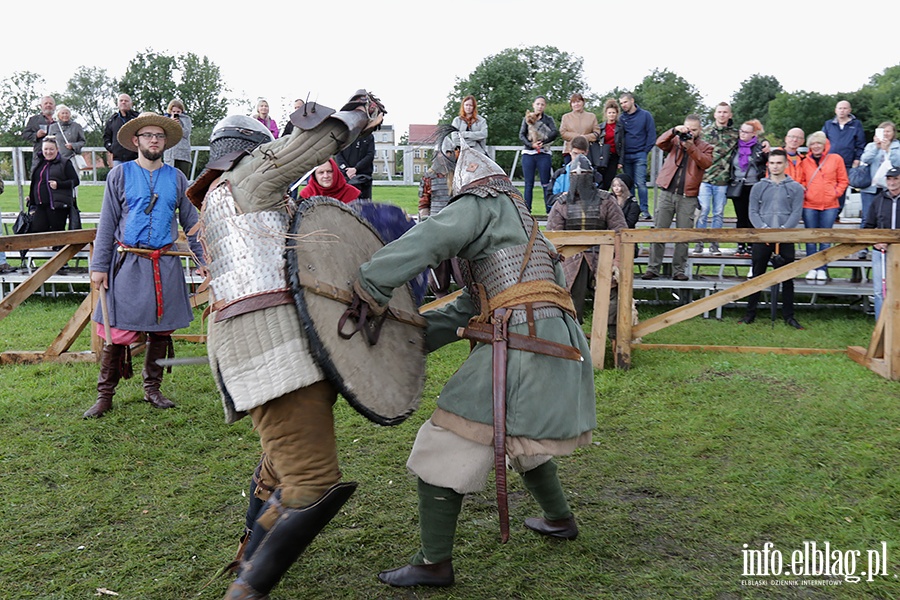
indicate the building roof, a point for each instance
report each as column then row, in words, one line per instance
column 421, row 134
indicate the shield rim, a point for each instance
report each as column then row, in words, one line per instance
column 319, row 351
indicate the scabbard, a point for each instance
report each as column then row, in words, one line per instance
column 484, row 333
column 499, row 346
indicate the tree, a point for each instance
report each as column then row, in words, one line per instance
column 202, row 90
column 883, row 91
column 19, row 99
column 90, row 94
column 153, row 79
column 668, row 97
column 751, row 101
column 506, row 83
column 806, row 110
column 150, row 81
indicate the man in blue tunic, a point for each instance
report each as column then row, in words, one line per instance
column 144, row 281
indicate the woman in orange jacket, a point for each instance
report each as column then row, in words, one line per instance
column 824, row 178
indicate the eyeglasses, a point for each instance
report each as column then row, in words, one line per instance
column 152, row 136
column 747, row 132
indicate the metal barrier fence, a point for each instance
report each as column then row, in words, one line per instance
column 96, row 159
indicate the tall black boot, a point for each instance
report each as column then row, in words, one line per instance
column 279, row 537
column 111, row 363
column 157, row 347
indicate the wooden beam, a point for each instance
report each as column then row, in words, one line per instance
column 741, row 349
column 15, row 357
column 27, row 241
column 867, row 237
column 624, row 326
column 434, row 304
column 602, row 290
column 72, row 329
column 37, row 279
column 890, row 310
column 745, row 288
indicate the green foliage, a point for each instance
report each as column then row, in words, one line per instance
column 91, row 94
column 202, row 90
column 20, row 96
column 153, row 79
column 884, row 98
column 506, row 83
column 806, row 110
column 752, row 100
column 668, row 97
column 150, row 81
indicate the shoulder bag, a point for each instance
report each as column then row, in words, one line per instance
column 598, row 153
column 77, row 158
column 23, row 223
column 860, row 176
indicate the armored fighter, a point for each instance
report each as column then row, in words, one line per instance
column 583, row 208
column 259, row 353
column 525, row 397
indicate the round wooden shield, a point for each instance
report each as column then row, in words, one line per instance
column 383, row 381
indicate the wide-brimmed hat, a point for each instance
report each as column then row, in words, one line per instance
column 172, row 128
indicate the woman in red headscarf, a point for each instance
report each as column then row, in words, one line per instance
column 327, row 180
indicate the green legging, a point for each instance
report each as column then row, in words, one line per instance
column 439, row 510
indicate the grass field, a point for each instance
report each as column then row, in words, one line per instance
column 696, row 459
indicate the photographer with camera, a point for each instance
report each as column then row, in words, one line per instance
column 687, row 157
column 179, row 155
column 776, row 202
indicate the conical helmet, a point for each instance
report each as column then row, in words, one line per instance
column 471, row 166
column 581, row 178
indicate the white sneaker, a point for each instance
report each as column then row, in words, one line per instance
column 811, row 275
column 821, row 275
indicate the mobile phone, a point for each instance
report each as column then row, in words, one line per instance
column 879, row 133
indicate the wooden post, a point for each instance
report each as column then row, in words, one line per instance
column 602, row 289
column 890, row 310
column 626, row 299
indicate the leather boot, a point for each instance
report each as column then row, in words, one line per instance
column 279, row 537
column 110, row 373
column 563, row 529
column 434, row 575
column 157, row 347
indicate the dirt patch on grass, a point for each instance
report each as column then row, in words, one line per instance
column 775, row 385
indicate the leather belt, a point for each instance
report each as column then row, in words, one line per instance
column 253, row 303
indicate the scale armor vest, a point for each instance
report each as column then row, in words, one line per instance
column 244, row 251
column 584, row 214
column 500, row 271
column 440, row 194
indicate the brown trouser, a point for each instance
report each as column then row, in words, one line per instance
column 296, row 431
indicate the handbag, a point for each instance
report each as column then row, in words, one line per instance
column 879, row 178
column 23, row 223
column 734, row 189
column 77, row 158
column 598, row 153
column 74, row 216
column 860, row 176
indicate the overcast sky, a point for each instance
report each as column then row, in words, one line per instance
column 411, row 53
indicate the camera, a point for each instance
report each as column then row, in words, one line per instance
column 684, row 135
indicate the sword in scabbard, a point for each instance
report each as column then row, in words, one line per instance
column 501, row 340
column 499, row 347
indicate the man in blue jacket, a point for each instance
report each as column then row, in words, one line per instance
column 846, row 136
column 640, row 137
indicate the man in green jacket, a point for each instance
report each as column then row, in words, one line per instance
column 549, row 401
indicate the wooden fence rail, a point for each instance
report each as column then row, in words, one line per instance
column 882, row 355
